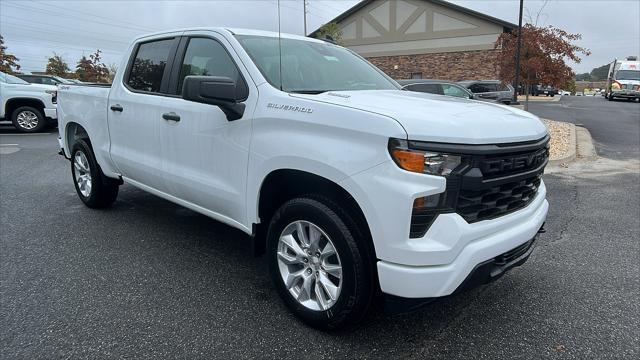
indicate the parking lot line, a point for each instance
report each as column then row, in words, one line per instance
column 38, row 134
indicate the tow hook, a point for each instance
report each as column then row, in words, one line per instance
column 542, row 229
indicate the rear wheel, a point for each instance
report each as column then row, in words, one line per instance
column 28, row 119
column 318, row 263
column 94, row 189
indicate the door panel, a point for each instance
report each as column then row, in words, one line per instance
column 205, row 156
column 135, row 130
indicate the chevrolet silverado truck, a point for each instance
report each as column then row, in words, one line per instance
column 356, row 191
column 29, row 107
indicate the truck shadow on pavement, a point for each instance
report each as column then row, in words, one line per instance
column 236, row 285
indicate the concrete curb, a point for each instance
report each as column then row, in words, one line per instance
column 535, row 99
column 585, row 147
column 571, row 155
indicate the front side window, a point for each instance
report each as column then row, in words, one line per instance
column 207, row 57
column 149, row 64
column 32, row 79
column 312, row 67
column 452, row 90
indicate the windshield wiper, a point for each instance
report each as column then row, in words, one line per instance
column 312, row 92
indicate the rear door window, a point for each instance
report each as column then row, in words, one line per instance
column 149, row 64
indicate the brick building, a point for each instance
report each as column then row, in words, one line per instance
column 430, row 39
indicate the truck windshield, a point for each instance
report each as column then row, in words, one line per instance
column 10, row 79
column 628, row 75
column 310, row 67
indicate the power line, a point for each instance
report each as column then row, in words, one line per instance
column 23, row 28
column 68, row 47
column 21, row 23
column 66, row 9
column 63, row 15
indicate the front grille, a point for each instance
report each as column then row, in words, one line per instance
column 491, row 181
column 501, row 180
column 484, row 204
column 500, row 165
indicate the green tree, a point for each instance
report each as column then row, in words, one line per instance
column 332, row 30
column 8, row 62
column 57, row 66
column 91, row 69
column 583, row 77
column 600, row 73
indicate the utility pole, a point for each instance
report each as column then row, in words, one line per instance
column 304, row 6
column 517, row 80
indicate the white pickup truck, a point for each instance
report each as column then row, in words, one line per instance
column 29, row 107
column 354, row 189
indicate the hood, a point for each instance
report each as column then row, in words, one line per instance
column 629, row 82
column 42, row 87
column 439, row 118
column 34, row 87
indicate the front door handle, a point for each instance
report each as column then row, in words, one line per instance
column 117, row 107
column 171, row 116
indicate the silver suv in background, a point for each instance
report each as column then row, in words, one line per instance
column 44, row 79
column 438, row 87
column 490, row 90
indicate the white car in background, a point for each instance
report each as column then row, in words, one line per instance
column 564, row 93
column 30, row 107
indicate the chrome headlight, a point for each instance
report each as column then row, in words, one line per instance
column 54, row 95
column 420, row 161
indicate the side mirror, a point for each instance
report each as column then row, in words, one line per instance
column 214, row 90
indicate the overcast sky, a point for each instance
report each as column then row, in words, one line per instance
column 33, row 30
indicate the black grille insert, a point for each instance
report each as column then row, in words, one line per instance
column 491, row 202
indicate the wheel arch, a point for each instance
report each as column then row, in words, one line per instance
column 283, row 184
column 12, row 104
column 74, row 132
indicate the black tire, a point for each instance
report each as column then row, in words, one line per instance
column 27, row 111
column 610, row 97
column 357, row 292
column 103, row 191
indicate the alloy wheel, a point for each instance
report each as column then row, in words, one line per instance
column 309, row 265
column 82, row 173
column 27, row 120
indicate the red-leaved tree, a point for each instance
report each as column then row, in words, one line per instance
column 92, row 69
column 542, row 56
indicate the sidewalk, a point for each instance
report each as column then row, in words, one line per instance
column 522, row 98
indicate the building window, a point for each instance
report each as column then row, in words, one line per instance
column 416, row 75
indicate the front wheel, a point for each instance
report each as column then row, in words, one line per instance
column 318, row 263
column 94, row 189
column 28, row 119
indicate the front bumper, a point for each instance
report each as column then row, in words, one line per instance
column 625, row 93
column 436, row 264
column 51, row 113
column 484, row 273
column 473, row 245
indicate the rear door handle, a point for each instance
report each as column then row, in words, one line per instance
column 171, row 116
column 117, row 107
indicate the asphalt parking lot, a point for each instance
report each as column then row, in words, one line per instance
column 147, row 278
